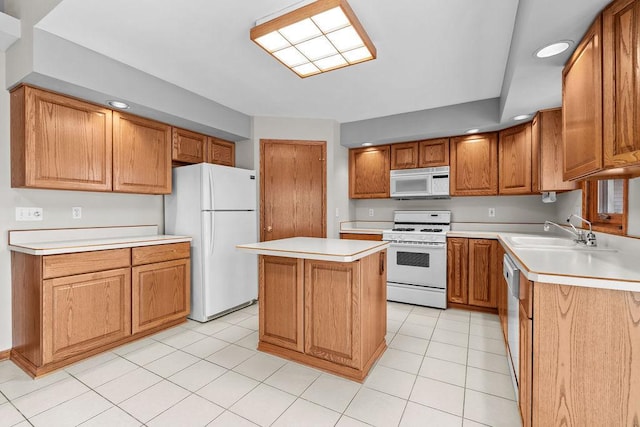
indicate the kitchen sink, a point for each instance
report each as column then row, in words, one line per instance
column 537, row 241
column 552, row 243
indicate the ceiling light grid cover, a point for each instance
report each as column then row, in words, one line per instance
column 319, row 37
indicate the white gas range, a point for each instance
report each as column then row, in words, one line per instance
column 417, row 257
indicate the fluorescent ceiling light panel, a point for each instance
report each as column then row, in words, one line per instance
column 319, row 37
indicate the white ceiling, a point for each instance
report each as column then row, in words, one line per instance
column 431, row 53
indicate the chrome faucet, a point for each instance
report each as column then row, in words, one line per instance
column 588, row 239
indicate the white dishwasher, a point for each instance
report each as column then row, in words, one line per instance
column 512, row 277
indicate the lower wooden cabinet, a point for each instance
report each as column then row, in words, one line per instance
column 84, row 312
column 472, row 272
column 68, row 307
column 502, row 293
column 525, row 377
column 361, row 236
column 330, row 315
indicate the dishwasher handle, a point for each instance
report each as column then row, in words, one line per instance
column 511, row 275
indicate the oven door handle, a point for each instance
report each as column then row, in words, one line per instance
column 418, row 246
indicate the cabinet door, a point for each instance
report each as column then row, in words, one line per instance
column 474, row 165
column 434, row 152
column 514, row 160
column 332, row 303
column 404, row 156
column 83, row 312
column 546, row 151
column 582, row 107
column 59, row 142
column 482, row 272
column 222, row 152
column 525, row 377
column 621, row 80
column 188, row 147
column 369, row 172
column 457, row 270
column 160, row 293
column 281, row 302
column 141, row 155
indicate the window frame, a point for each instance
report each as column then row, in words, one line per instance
column 615, row 223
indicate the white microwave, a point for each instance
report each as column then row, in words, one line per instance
column 421, row 183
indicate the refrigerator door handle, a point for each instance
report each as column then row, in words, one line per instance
column 213, row 232
column 211, row 192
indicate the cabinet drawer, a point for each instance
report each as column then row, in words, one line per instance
column 84, row 262
column 159, row 253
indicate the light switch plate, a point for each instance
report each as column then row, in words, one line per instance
column 29, row 214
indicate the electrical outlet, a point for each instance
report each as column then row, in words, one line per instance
column 76, row 212
column 29, row 214
column 370, row 212
column 337, row 213
column 492, row 212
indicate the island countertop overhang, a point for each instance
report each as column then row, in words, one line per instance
column 338, row 250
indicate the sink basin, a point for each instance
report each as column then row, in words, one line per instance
column 541, row 241
column 555, row 243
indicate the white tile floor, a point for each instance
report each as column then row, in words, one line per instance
column 442, row 368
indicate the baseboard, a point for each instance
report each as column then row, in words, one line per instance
column 4, row 354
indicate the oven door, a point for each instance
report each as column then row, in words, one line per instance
column 417, row 264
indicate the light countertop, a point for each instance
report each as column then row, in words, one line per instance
column 72, row 240
column 340, row 250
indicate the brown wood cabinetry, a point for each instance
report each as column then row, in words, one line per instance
column 433, row 152
column 621, row 83
column 188, row 147
column 369, row 172
column 222, row 152
column 525, row 377
column 404, row 155
column 585, row 356
column 503, row 293
column 546, row 151
column 70, row 306
column 361, row 236
column 330, row 315
column 474, row 165
column 514, row 160
column 281, row 298
column 160, row 291
column 582, row 106
column 141, row 155
column 457, row 270
column 472, row 272
column 59, row 142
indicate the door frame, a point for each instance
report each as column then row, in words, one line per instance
column 323, row 145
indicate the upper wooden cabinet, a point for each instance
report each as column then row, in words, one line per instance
column 420, row 154
column 621, row 83
column 474, row 165
column 59, row 142
column 141, row 155
column 514, row 160
column 369, row 172
column 188, row 147
column 221, row 152
column 404, row 155
column 433, row 152
column 546, row 151
column 582, row 106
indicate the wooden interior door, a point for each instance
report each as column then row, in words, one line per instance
column 292, row 189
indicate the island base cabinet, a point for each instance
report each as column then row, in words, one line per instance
column 281, row 302
column 586, row 367
column 84, row 312
column 329, row 315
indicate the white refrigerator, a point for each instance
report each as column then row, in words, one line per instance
column 216, row 206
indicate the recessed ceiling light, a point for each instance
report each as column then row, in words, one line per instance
column 118, row 104
column 553, row 49
column 475, row 130
column 367, row 144
column 522, row 117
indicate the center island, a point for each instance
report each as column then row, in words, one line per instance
column 323, row 302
